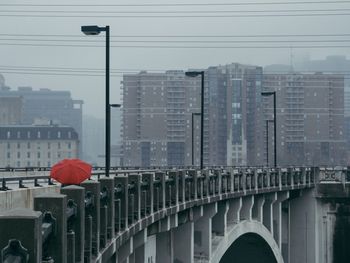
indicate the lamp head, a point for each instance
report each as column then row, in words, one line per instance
column 91, row 30
column 267, row 93
column 192, row 73
column 115, row 105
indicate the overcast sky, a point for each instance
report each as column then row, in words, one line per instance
column 32, row 65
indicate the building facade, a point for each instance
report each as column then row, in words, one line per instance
column 10, row 110
column 310, row 118
column 159, row 109
column 56, row 106
column 157, row 113
column 234, row 105
column 36, row 146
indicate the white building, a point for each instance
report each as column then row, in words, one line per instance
column 36, row 146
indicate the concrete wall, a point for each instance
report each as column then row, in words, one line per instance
column 23, row 198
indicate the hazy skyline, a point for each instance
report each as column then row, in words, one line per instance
column 27, row 60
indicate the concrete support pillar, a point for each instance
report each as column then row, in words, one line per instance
column 139, row 254
column 247, row 208
column 258, row 207
column 183, row 244
column 304, row 231
column 277, row 217
column 233, row 214
column 150, row 249
column 203, row 232
column 219, row 221
column 139, row 241
column 164, row 251
column 267, row 214
column 125, row 250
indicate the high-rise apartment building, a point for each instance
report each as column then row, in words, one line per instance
column 234, row 104
column 157, row 111
column 310, row 118
column 157, row 119
column 56, row 106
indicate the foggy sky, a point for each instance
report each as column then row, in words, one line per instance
column 91, row 89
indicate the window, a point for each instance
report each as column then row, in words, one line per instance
column 48, row 145
column 8, row 135
column 8, row 145
column 69, row 145
column 38, row 154
column 48, row 155
column 59, row 145
column 28, row 145
column 59, row 135
column 8, row 155
column 28, row 154
column 38, row 134
column 18, row 155
column 18, row 145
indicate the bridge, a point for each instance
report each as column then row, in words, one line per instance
column 291, row 215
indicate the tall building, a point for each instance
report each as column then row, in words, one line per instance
column 36, row 146
column 157, row 112
column 234, row 115
column 57, row 106
column 310, row 118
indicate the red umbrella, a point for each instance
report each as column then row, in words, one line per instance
column 71, row 171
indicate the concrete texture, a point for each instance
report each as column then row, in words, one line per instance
column 23, row 198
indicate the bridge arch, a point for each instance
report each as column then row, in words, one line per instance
column 241, row 229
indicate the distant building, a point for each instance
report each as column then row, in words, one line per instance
column 36, row 146
column 10, row 110
column 157, row 117
column 235, row 118
column 57, row 106
column 310, row 118
column 157, row 111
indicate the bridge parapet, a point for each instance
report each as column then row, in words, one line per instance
column 114, row 214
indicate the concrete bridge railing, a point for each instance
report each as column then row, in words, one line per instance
column 107, row 219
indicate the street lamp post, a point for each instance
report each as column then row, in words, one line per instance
column 193, row 114
column 114, row 106
column 269, row 93
column 267, row 141
column 195, row 74
column 95, row 30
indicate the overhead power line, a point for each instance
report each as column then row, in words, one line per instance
column 177, row 16
column 184, row 36
column 179, row 41
column 175, row 11
column 185, row 4
column 178, row 46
